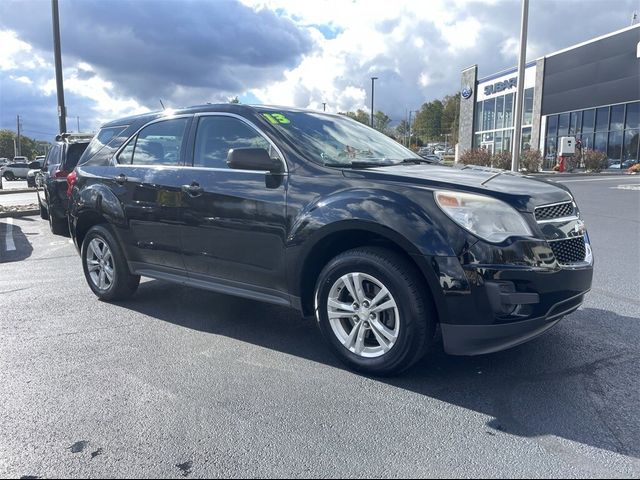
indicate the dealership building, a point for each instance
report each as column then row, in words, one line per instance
column 590, row 91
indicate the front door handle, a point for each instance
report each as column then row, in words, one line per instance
column 193, row 190
column 121, row 179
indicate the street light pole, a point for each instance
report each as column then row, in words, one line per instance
column 324, row 106
column 373, row 79
column 517, row 133
column 62, row 111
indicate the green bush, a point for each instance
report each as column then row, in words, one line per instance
column 476, row 156
column 501, row 160
column 594, row 160
column 531, row 161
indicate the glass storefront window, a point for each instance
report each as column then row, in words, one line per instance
column 630, row 148
column 487, row 137
column 602, row 119
column 527, row 113
column 477, row 139
column 617, row 117
column 488, row 115
column 506, row 140
column 587, row 141
column 575, row 123
column 633, row 115
column 600, row 142
column 614, row 149
column 499, row 112
column 526, row 139
column 498, row 141
column 563, row 124
column 478, row 120
column 552, row 126
column 508, row 110
column 588, row 120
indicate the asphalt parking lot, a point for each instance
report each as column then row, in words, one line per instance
column 179, row 382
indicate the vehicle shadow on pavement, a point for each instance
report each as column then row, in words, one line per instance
column 573, row 383
column 14, row 244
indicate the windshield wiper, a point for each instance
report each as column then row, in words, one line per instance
column 418, row 161
column 360, row 164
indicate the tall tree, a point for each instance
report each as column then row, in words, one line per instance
column 381, row 121
column 29, row 147
column 359, row 115
column 428, row 123
column 450, row 116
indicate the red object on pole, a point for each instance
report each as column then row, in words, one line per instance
column 561, row 165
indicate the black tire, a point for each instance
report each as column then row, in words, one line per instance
column 9, row 176
column 44, row 214
column 58, row 226
column 124, row 284
column 417, row 315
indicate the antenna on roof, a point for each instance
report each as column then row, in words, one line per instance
column 162, row 104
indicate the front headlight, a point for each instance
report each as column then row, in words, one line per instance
column 486, row 217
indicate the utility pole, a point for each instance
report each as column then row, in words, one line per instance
column 373, row 79
column 517, row 133
column 62, row 111
column 324, row 106
column 78, row 119
column 19, row 149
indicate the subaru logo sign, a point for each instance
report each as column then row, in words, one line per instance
column 467, row 92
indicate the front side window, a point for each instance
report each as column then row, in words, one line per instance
column 157, row 144
column 216, row 135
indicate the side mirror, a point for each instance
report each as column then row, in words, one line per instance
column 253, row 159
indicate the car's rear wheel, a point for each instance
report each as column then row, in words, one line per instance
column 373, row 310
column 9, row 176
column 58, row 226
column 44, row 214
column 105, row 266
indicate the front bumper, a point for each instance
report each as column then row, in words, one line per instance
column 482, row 339
column 485, row 307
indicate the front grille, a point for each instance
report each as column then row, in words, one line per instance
column 571, row 250
column 558, row 210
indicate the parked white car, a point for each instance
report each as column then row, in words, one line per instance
column 14, row 170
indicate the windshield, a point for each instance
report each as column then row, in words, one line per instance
column 337, row 140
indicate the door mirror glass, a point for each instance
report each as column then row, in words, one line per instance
column 253, row 159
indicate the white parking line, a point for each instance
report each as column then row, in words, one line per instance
column 9, row 235
column 603, row 179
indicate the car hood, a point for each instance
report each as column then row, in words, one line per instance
column 522, row 192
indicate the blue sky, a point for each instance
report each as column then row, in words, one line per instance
column 121, row 57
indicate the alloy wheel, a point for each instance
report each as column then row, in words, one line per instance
column 363, row 315
column 100, row 264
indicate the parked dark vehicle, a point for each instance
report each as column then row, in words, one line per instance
column 323, row 214
column 35, row 168
column 51, row 185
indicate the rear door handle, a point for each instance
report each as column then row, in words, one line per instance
column 193, row 190
column 121, row 179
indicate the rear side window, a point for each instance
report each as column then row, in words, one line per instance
column 103, row 138
column 157, row 144
column 216, row 135
column 53, row 157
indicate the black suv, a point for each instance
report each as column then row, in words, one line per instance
column 51, row 183
column 323, row 214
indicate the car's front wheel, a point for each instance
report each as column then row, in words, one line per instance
column 374, row 311
column 105, row 266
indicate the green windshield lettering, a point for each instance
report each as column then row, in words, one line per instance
column 276, row 118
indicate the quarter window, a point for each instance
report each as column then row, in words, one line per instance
column 157, row 144
column 216, row 135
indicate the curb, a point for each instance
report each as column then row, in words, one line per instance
column 17, row 190
column 24, row 213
